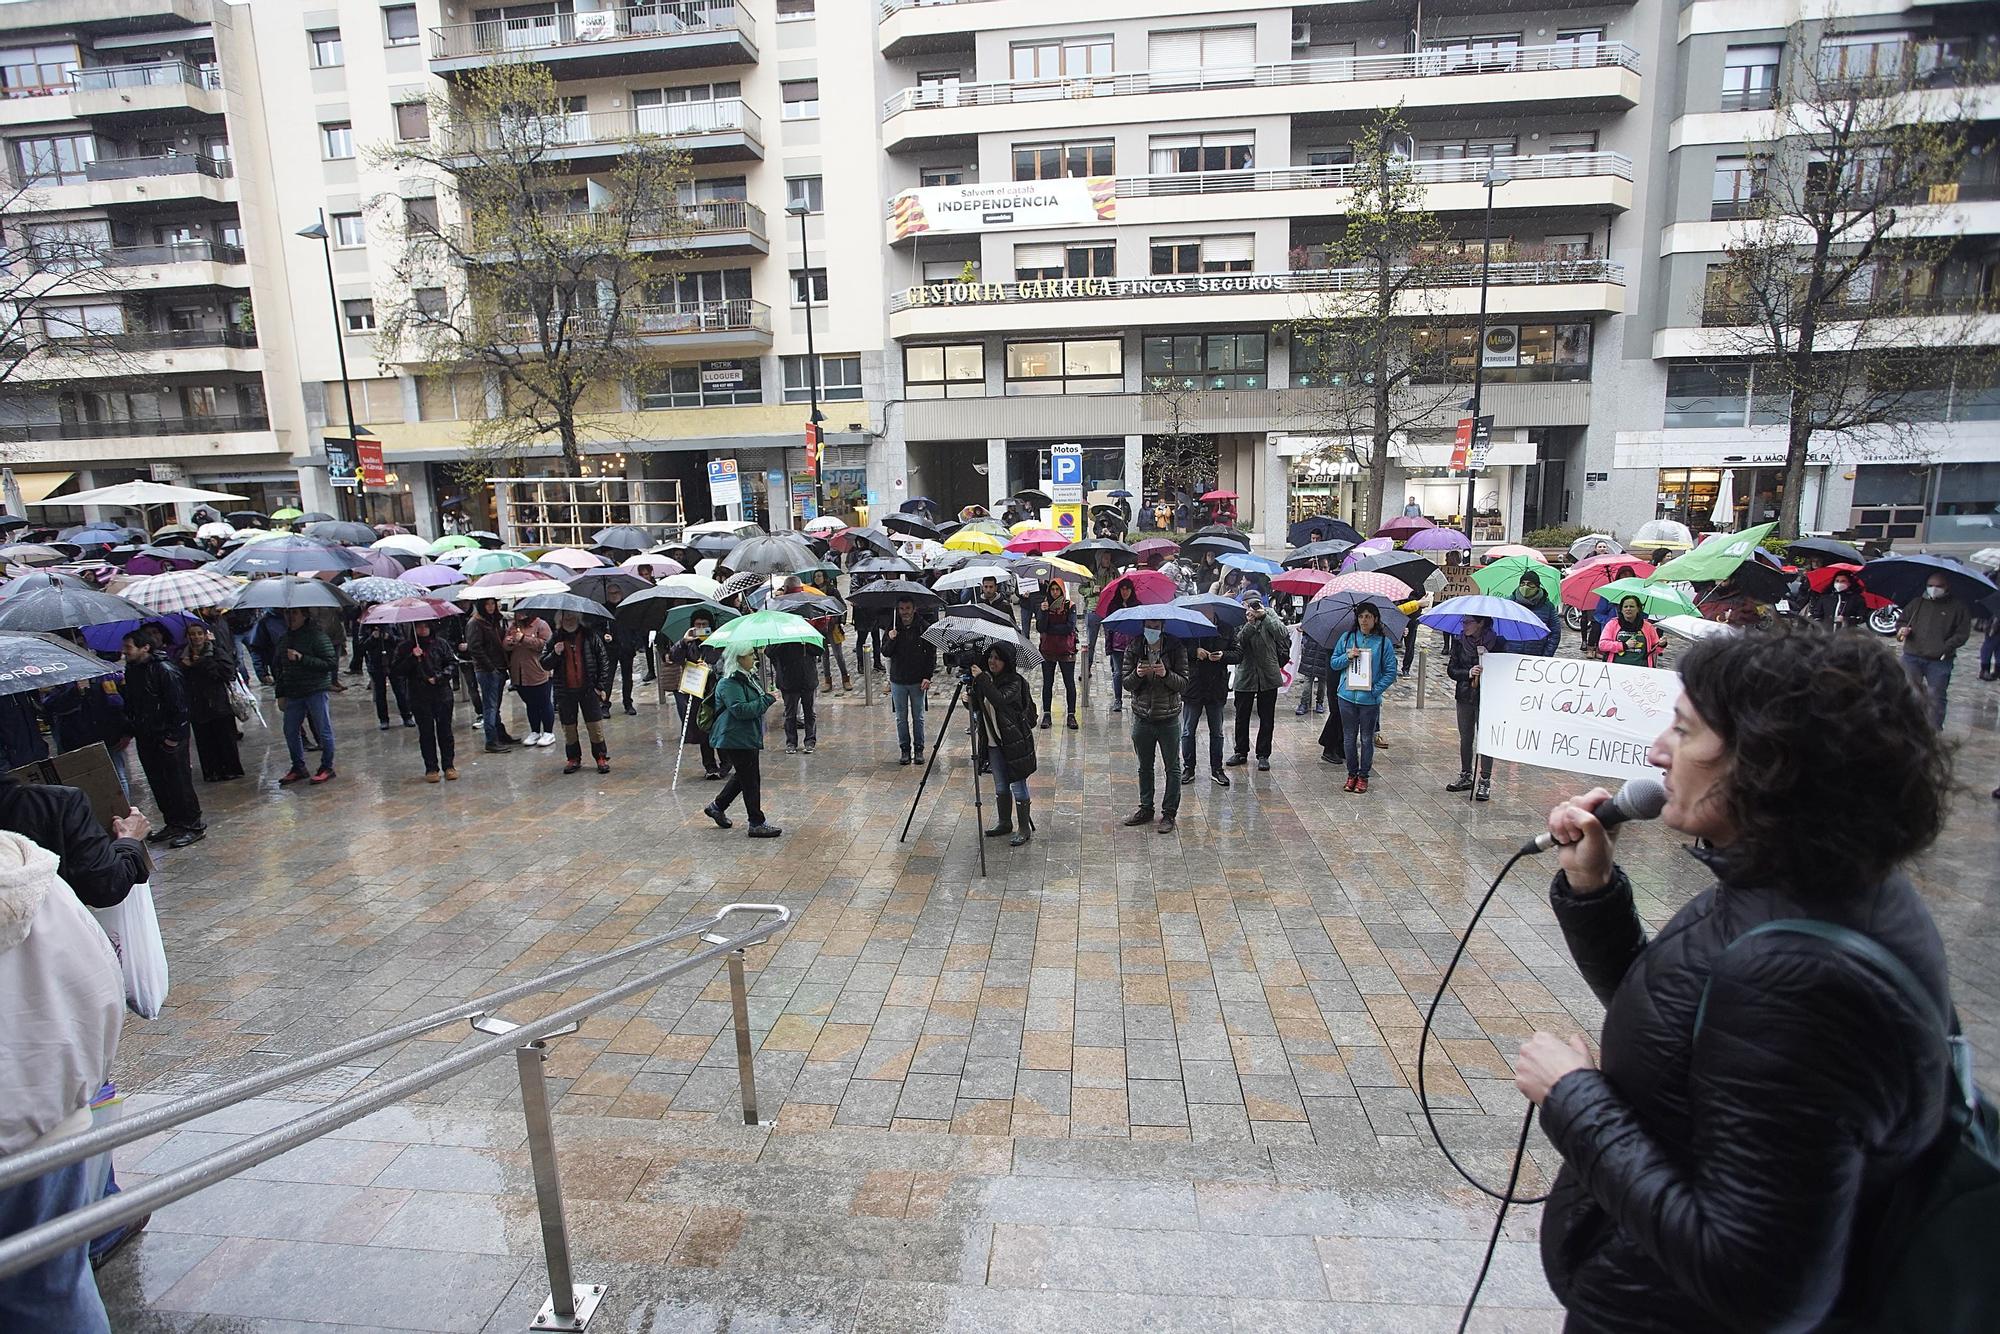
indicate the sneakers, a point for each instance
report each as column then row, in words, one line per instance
column 791, row 749
column 1348, row 786
column 295, row 776
column 433, row 776
column 714, row 812
column 765, row 831
column 1187, row 775
column 548, row 739
column 1237, row 761
column 1219, row 778
column 1462, row 783
column 810, row 748
column 382, row 726
column 1167, row 825
column 1485, row 792
column 1263, row 765
column 450, row 775
column 1143, row 815
column 323, row 776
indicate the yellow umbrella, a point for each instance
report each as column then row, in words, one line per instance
column 975, row 539
column 1070, row 567
column 1024, row 525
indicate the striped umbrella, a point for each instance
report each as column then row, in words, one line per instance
column 181, row 590
column 383, row 590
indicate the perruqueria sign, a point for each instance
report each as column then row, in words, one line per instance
column 1090, row 289
column 1566, row 713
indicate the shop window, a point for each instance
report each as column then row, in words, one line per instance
column 950, row 370
column 1073, row 366
column 1206, row 360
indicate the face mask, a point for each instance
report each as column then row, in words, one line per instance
column 1934, row 594
column 1840, row 585
column 1152, row 636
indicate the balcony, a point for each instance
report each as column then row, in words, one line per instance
column 125, row 430
column 1532, row 288
column 683, row 34
column 179, row 264
column 709, row 227
column 116, row 182
column 150, row 352
column 1722, row 313
column 1541, row 183
column 690, row 327
column 164, row 90
column 725, row 130
column 1558, row 78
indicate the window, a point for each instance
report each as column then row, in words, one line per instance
column 336, row 140
column 938, row 87
column 358, row 316
column 1739, row 184
column 1076, row 366
column 54, row 161
column 795, row 9
column 1047, row 162
column 420, row 216
column 839, row 378
column 1580, row 45
column 326, row 48
column 84, row 321
column 29, row 71
column 801, row 98
column 952, row 370
column 1209, row 50
column 1074, row 259
column 706, row 287
column 1206, row 361
column 951, row 270
column 1218, row 150
column 399, row 25
column 808, row 285
column 65, row 247
column 1750, row 77
column 349, row 230
column 1037, row 261
column 930, row 176
column 1340, row 155
column 1497, row 51
column 431, row 302
column 1066, row 58
column 413, row 120
column 807, row 190
column 1864, row 55
column 1568, row 245
column 1201, row 254
column 710, row 384
column 1707, row 394
column 1463, row 150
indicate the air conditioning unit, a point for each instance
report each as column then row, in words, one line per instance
column 1302, row 33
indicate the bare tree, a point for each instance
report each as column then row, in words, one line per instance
column 1179, row 458
column 521, row 271
column 1374, row 339
column 41, row 274
column 1840, row 286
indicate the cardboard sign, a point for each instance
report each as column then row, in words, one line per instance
column 694, row 679
column 88, row 769
column 1568, row 713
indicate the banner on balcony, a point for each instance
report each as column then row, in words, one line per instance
column 1064, row 202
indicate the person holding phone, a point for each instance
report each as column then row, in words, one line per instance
column 691, row 650
column 1465, row 663
column 1156, row 675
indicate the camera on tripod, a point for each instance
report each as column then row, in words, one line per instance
column 963, row 660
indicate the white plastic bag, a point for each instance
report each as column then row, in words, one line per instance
column 134, row 929
column 244, row 704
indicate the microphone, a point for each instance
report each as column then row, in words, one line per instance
column 1639, row 799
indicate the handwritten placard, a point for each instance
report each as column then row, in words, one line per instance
column 694, row 679
column 1568, row 713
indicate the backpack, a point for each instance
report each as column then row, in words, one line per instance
column 1929, row 1265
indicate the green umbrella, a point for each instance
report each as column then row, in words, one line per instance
column 1503, row 576
column 681, row 617
column 455, row 542
column 491, row 562
column 1655, row 599
column 762, row 629
column 1716, row 558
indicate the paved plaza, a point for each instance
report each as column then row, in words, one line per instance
column 1125, row 1081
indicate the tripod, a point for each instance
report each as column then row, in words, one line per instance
column 975, row 733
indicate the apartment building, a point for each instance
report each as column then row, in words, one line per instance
column 1014, row 219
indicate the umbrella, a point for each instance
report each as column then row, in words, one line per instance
column 45, row 579
column 975, row 539
column 764, row 628
column 1039, row 499
column 490, row 562
column 956, row 633
column 1581, row 581
column 598, row 585
column 1828, row 549
column 1217, row 543
column 713, row 545
column 367, row 591
column 453, row 542
column 1716, row 558
column 1657, row 533
column 1902, row 578
column 407, row 543
column 11, row 521
column 1438, row 539
column 1656, row 600
column 1330, row 529
column 812, row 606
column 926, row 553
column 1209, row 496
column 177, row 557
column 96, row 537
column 1415, row 570
column 1091, row 548
column 971, row 577
column 383, row 564
column 925, row 503
column 1501, row 577
column 910, row 525
column 135, row 495
column 1226, row 613
column 1037, row 540
column 1695, row 627
column 1362, row 550
column 773, row 553
column 891, row 565
column 652, row 565
column 884, row 594
column 164, row 530
column 1249, row 564
column 872, row 539
column 66, row 609
column 1149, row 586
column 558, row 603
column 1724, row 510
column 679, row 618
column 686, row 585
column 1586, row 547
column 1156, row 546
column 826, row 525
column 391, row 530
column 309, row 516
column 1506, row 549
column 1330, row 549
column 343, row 533
column 550, row 570
column 30, row 661
column 1510, row 619
column 1404, row 525
column 741, row 585
column 181, row 590
column 1332, row 614
column 406, row 611
column 244, row 536
column 1369, row 583
column 432, row 576
column 648, row 609
column 289, row 555
column 571, row 558
column 287, row 514
column 736, row 528
column 979, row 611
column 490, row 541
column 1303, row 583
column 248, row 519
column 292, row 591
column 622, row 537
column 1986, row 558
column 1820, row 580
column 510, row 591
column 216, row 529
column 1178, row 621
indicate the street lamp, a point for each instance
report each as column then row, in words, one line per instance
column 1495, row 178
column 317, row 231
column 798, row 209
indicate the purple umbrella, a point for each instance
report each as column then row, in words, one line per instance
column 109, row 637
column 380, row 565
column 431, row 576
column 1438, row 539
column 1368, row 548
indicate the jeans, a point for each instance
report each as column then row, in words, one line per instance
column 746, row 777
column 1358, row 723
column 432, row 706
column 908, row 702
column 492, row 687
column 57, row 1294
column 1192, row 712
column 1312, row 691
column 799, row 704
column 1265, row 702
column 1989, row 649
column 540, row 702
column 1933, row 679
column 171, row 780
column 998, row 764
column 836, row 653
column 297, row 712
column 1468, row 738
column 382, row 685
column 1148, row 736
column 1117, row 677
column 1067, row 666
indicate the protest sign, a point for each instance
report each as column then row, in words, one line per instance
column 1567, row 713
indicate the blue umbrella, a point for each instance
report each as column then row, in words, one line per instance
column 1901, row 578
column 1226, row 612
column 1249, row 564
column 1178, row 621
column 1332, row 614
column 1510, row 619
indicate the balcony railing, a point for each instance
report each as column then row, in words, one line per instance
column 703, row 218
column 1339, row 69
column 549, row 31
column 892, row 6
column 160, row 74
column 155, row 426
column 1721, row 313
column 166, row 164
column 146, row 340
column 1515, row 274
column 737, row 316
column 583, row 129
column 78, row 256
column 1750, row 99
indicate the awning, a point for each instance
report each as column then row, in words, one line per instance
column 35, row 486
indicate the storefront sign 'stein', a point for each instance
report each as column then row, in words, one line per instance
column 1088, row 289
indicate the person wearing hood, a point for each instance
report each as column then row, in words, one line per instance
column 1465, row 663
column 156, row 706
column 1156, row 676
column 1630, row 637
column 1532, row 595
column 1265, row 646
column 524, row 641
column 428, row 669
column 485, row 646
column 1005, row 707
column 1841, row 606
column 738, row 735
column 580, row 669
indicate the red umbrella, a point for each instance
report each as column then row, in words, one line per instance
column 1218, row 495
column 1582, row 580
column 1822, row 579
column 1305, row 582
column 1038, row 541
column 1149, row 586
column 1403, row 525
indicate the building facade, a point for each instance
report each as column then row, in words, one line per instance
column 1017, row 227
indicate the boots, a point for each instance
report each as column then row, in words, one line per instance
column 1004, row 803
column 1463, row 783
column 1027, row 826
column 602, row 754
column 1485, row 792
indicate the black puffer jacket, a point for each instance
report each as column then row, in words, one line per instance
column 1728, row 1181
column 589, row 644
column 1007, row 708
column 1208, row 682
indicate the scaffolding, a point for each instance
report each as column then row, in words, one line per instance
column 567, row 511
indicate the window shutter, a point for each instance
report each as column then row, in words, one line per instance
column 1228, row 47
column 1226, row 249
column 1038, row 256
column 1174, row 50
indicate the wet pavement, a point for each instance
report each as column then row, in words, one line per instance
column 1124, row 1081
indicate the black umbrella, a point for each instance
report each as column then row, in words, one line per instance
column 289, row 555
column 66, row 609
column 812, row 606
column 920, row 503
column 709, row 546
column 43, row 579
column 292, row 592
column 9, row 522
column 247, row 519
column 912, row 525
column 491, row 541
column 319, row 516
column 1902, row 578
column 1330, row 529
column 1762, row 581
column 598, row 584
column 891, row 565
column 562, row 602
column 1412, row 567
column 1826, row 548
column 1087, row 551
column 38, row 661
column 774, row 553
column 1331, row 549
column 1216, row 542
column 1224, row 530
column 178, row 555
column 884, row 594
column 1039, row 499
column 340, row 532
column 622, row 537
column 977, row 611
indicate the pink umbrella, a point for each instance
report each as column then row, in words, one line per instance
column 502, row 578
column 431, row 576
column 1512, row 549
column 1212, row 496
column 404, row 611
column 1150, row 586
column 1305, row 582
column 1368, row 583
column 1368, row 548
column 1037, row 541
column 1582, row 580
column 1404, row 525
column 653, row 565
column 573, row 558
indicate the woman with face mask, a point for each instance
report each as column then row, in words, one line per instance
column 738, row 735
column 1841, row 606
column 426, row 669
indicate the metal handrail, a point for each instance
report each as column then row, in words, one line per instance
column 587, row 129
column 675, row 18
column 892, row 6
column 77, row 1227
column 158, row 74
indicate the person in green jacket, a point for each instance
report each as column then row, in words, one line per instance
column 738, row 735
column 1265, row 646
column 303, row 666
